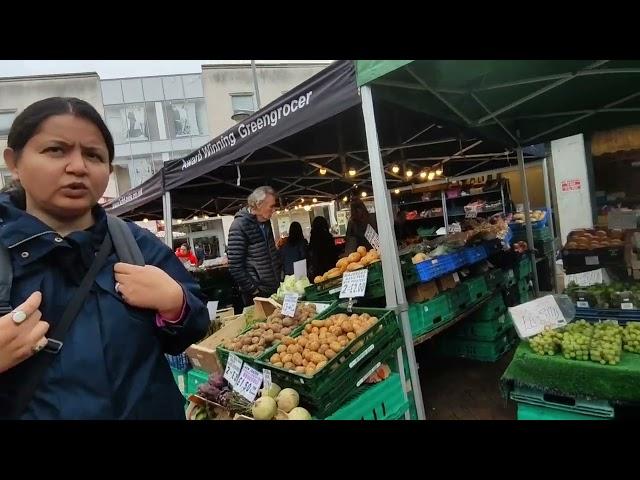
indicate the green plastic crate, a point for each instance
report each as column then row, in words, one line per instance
column 415, row 319
column 330, row 290
column 326, row 390
column 195, row 378
column 562, row 404
column 436, row 311
column 539, row 235
column 495, row 279
column 494, row 307
column 181, row 380
column 459, row 299
column 486, row 331
column 523, row 268
column 482, row 351
column 477, row 288
column 381, row 401
column 535, row 412
column 409, row 271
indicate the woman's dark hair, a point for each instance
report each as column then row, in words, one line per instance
column 320, row 233
column 295, row 233
column 28, row 123
column 359, row 212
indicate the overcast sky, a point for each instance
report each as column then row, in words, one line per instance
column 117, row 68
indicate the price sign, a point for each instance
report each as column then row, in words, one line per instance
column 212, row 307
column 372, row 237
column 289, row 304
column 594, row 260
column 582, row 304
column 586, row 279
column 249, row 383
column 354, row 284
column 233, row 368
column 533, row 317
column 266, row 376
column 471, row 213
column 626, row 306
column 454, row 228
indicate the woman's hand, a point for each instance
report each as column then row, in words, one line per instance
column 149, row 287
column 18, row 341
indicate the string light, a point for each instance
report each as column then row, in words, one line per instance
column 307, row 208
column 195, row 217
column 423, row 174
column 323, row 171
column 409, row 173
column 439, row 171
column 179, row 221
column 352, row 172
column 363, row 194
column 146, row 220
column 315, row 200
column 345, row 199
column 432, row 175
column 395, row 169
column 397, row 191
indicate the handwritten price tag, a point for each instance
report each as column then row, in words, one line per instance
column 266, row 376
column 471, row 213
column 354, row 284
column 249, row 383
column 232, row 370
column 533, row 317
column 289, row 304
column 586, row 279
column 454, row 228
column 372, row 237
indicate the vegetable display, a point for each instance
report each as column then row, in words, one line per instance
column 264, row 334
column 355, row 261
column 618, row 295
column 290, row 285
column 319, row 342
column 592, row 239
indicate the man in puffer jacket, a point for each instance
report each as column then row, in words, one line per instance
column 254, row 262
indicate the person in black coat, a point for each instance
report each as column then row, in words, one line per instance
column 254, row 262
column 323, row 253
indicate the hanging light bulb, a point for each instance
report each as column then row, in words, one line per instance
column 146, row 220
column 307, row 208
column 395, row 169
column 195, row 217
column 397, row 191
column 206, row 217
column 323, row 171
column 439, row 171
column 161, row 222
column 302, row 200
column 315, row 200
column 286, row 209
column 345, row 199
column 179, row 221
column 363, row 194
column 409, row 173
column 352, row 172
column 423, row 174
column 432, row 175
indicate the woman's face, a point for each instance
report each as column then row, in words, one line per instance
column 64, row 168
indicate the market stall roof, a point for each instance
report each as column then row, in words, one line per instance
column 517, row 102
column 307, row 153
column 149, row 191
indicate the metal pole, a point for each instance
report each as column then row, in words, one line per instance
column 527, row 217
column 547, row 201
column 255, row 84
column 168, row 228
column 393, row 284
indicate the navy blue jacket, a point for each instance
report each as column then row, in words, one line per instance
column 112, row 365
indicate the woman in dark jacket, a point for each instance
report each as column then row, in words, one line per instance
column 112, row 362
column 294, row 248
column 323, row 253
column 357, row 227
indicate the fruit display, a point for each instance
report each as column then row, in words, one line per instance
column 576, row 340
column 264, row 334
column 606, row 343
column 355, row 261
column 536, row 216
column 319, row 342
column 631, row 337
column 617, row 295
column 593, row 239
column 546, row 343
column 290, row 285
column 277, row 404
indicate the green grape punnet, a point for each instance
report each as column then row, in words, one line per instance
column 631, row 337
column 606, row 343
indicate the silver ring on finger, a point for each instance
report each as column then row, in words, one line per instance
column 18, row 317
column 117, row 288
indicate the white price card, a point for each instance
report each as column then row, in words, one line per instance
column 372, row 237
column 586, row 279
column 266, row 376
column 533, row 317
column 471, row 213
column 354, row 284
column 582, row 304
column 626, row 306
column 289, row 304
column 594, row 260
column 213, row 310
column 454, row 228
column 249, row 382
column 233, row 368
column 300, row 269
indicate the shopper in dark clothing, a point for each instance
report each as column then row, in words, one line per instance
column 357, row 227
column 254, row 262
column 323, row 253
column 294, row 249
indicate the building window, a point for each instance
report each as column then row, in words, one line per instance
column 186, row 118
column 140, row 169
column 6, row 119
column 5, row 177
column 242, row 102
column 127, row 123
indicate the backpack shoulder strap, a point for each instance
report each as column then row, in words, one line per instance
column 124, row 243
column 6, row 279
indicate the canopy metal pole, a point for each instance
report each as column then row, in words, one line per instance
column 547, row 201
column 168, row 228
column 393, row 284
column 527, row 217
column 255, row 84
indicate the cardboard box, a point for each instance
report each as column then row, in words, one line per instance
column 423, row 292
column 264, row 307
column 448, row 282
column 203, row 354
